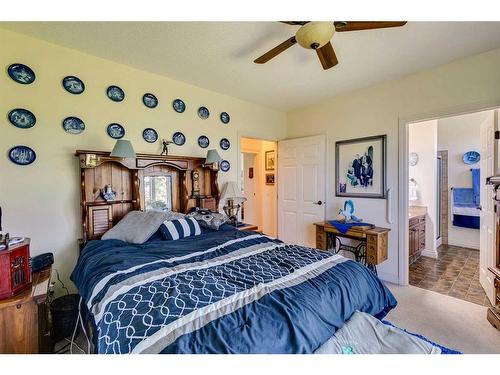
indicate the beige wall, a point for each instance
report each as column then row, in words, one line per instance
column 42, row 200
column 458, row 135
column 267, row 194
column 461, row 85
column 422, row 139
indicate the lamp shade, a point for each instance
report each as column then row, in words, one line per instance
column 213, row 157
column 231, row 191
column 123, row 149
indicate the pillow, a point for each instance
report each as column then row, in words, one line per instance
column 209, row 219
column 172, row 215
column 136, row 227
column 180, row 228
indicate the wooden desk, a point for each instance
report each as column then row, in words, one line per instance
column 24, row 318
column 372, row 250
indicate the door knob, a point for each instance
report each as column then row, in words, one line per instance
column 319, row 203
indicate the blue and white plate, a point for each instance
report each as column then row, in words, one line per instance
column 149, row 100
column 471, row 157
column 73, row 125
column 224, row 117
column 203, row 113
column 115, row 131
column 115, row 93
column 22, row 155
column 73, row 85
column 225, row 166
column 179, row 138
column 21, row 74
column 150, row 135
column 22, row 118
column 203, row 141
column 178, row 105
column 225, row 144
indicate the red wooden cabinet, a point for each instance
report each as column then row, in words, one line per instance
column 15, row 273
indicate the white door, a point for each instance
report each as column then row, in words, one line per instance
column 249, row 189
column 487, row 215
column 301, row 188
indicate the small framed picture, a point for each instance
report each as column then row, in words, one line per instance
column 270, row 160
column 269, row 178
column 361, row 167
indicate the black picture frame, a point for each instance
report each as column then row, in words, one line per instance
column 381, row 193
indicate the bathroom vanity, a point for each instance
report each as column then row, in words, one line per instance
column 416, row 236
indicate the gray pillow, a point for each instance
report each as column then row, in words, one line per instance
column 172, row 215
column 209, row 219
column 136, row 227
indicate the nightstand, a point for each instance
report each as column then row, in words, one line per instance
column 24, row 327
column 246, row 226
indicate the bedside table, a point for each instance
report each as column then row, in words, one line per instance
column 246, row 226
column 24, row 327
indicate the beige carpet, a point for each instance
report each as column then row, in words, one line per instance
column 449, row 321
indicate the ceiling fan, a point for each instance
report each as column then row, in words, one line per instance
column 317, row 36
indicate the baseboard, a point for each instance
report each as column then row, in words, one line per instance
column 429, row 253
column 470, row 245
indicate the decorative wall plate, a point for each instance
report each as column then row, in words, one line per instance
column 225, row 166
column 22, row 155
column 471, row 157
column 178, row 105
column 179, row 138
column 224, row 117
column 149, row 100
column 21, row 73
column 22, row 118
column 73, row 85
column 115, row 131
column 73, row 125
column 225, row 144
column 115, row 93
column 203, row 113
column 413, row 159
column 203, row 141
column 150, row 135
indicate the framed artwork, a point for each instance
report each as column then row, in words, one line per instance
column 361, row 167
column 270, row 160
column 269, row 178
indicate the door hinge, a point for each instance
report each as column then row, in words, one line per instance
column 497, row 134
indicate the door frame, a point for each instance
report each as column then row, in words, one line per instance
column 403, row 138
column 257, row 182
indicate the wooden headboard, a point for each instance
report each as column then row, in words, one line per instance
column 126, row 176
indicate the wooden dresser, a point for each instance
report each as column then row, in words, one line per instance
column 24, row 327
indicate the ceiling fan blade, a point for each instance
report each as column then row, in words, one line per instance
column 275, row 51
column 327, row 56
column 365, row 25
column 295, row 23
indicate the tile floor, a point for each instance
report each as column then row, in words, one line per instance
column 454, row 273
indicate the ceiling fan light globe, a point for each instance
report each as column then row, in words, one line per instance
column 314, row 35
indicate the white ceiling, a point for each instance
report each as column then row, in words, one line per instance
column 219, row 55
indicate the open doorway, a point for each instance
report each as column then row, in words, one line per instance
column 259, row 184
column 450, row 226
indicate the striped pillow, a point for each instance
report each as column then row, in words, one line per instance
column 180, row 228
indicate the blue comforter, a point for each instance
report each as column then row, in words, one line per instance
column 222, row 292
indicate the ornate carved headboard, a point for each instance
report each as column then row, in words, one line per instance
column 192, row 185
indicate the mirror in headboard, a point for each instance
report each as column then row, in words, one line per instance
column 175, row 183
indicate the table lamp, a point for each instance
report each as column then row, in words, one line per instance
column 213, row 159
column 231, row 196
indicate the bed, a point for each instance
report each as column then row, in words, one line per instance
column 224, row 291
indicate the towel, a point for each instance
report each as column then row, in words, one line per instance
column 463, row 197
column 476, row 179
column 412, row 191
column 344, row 227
